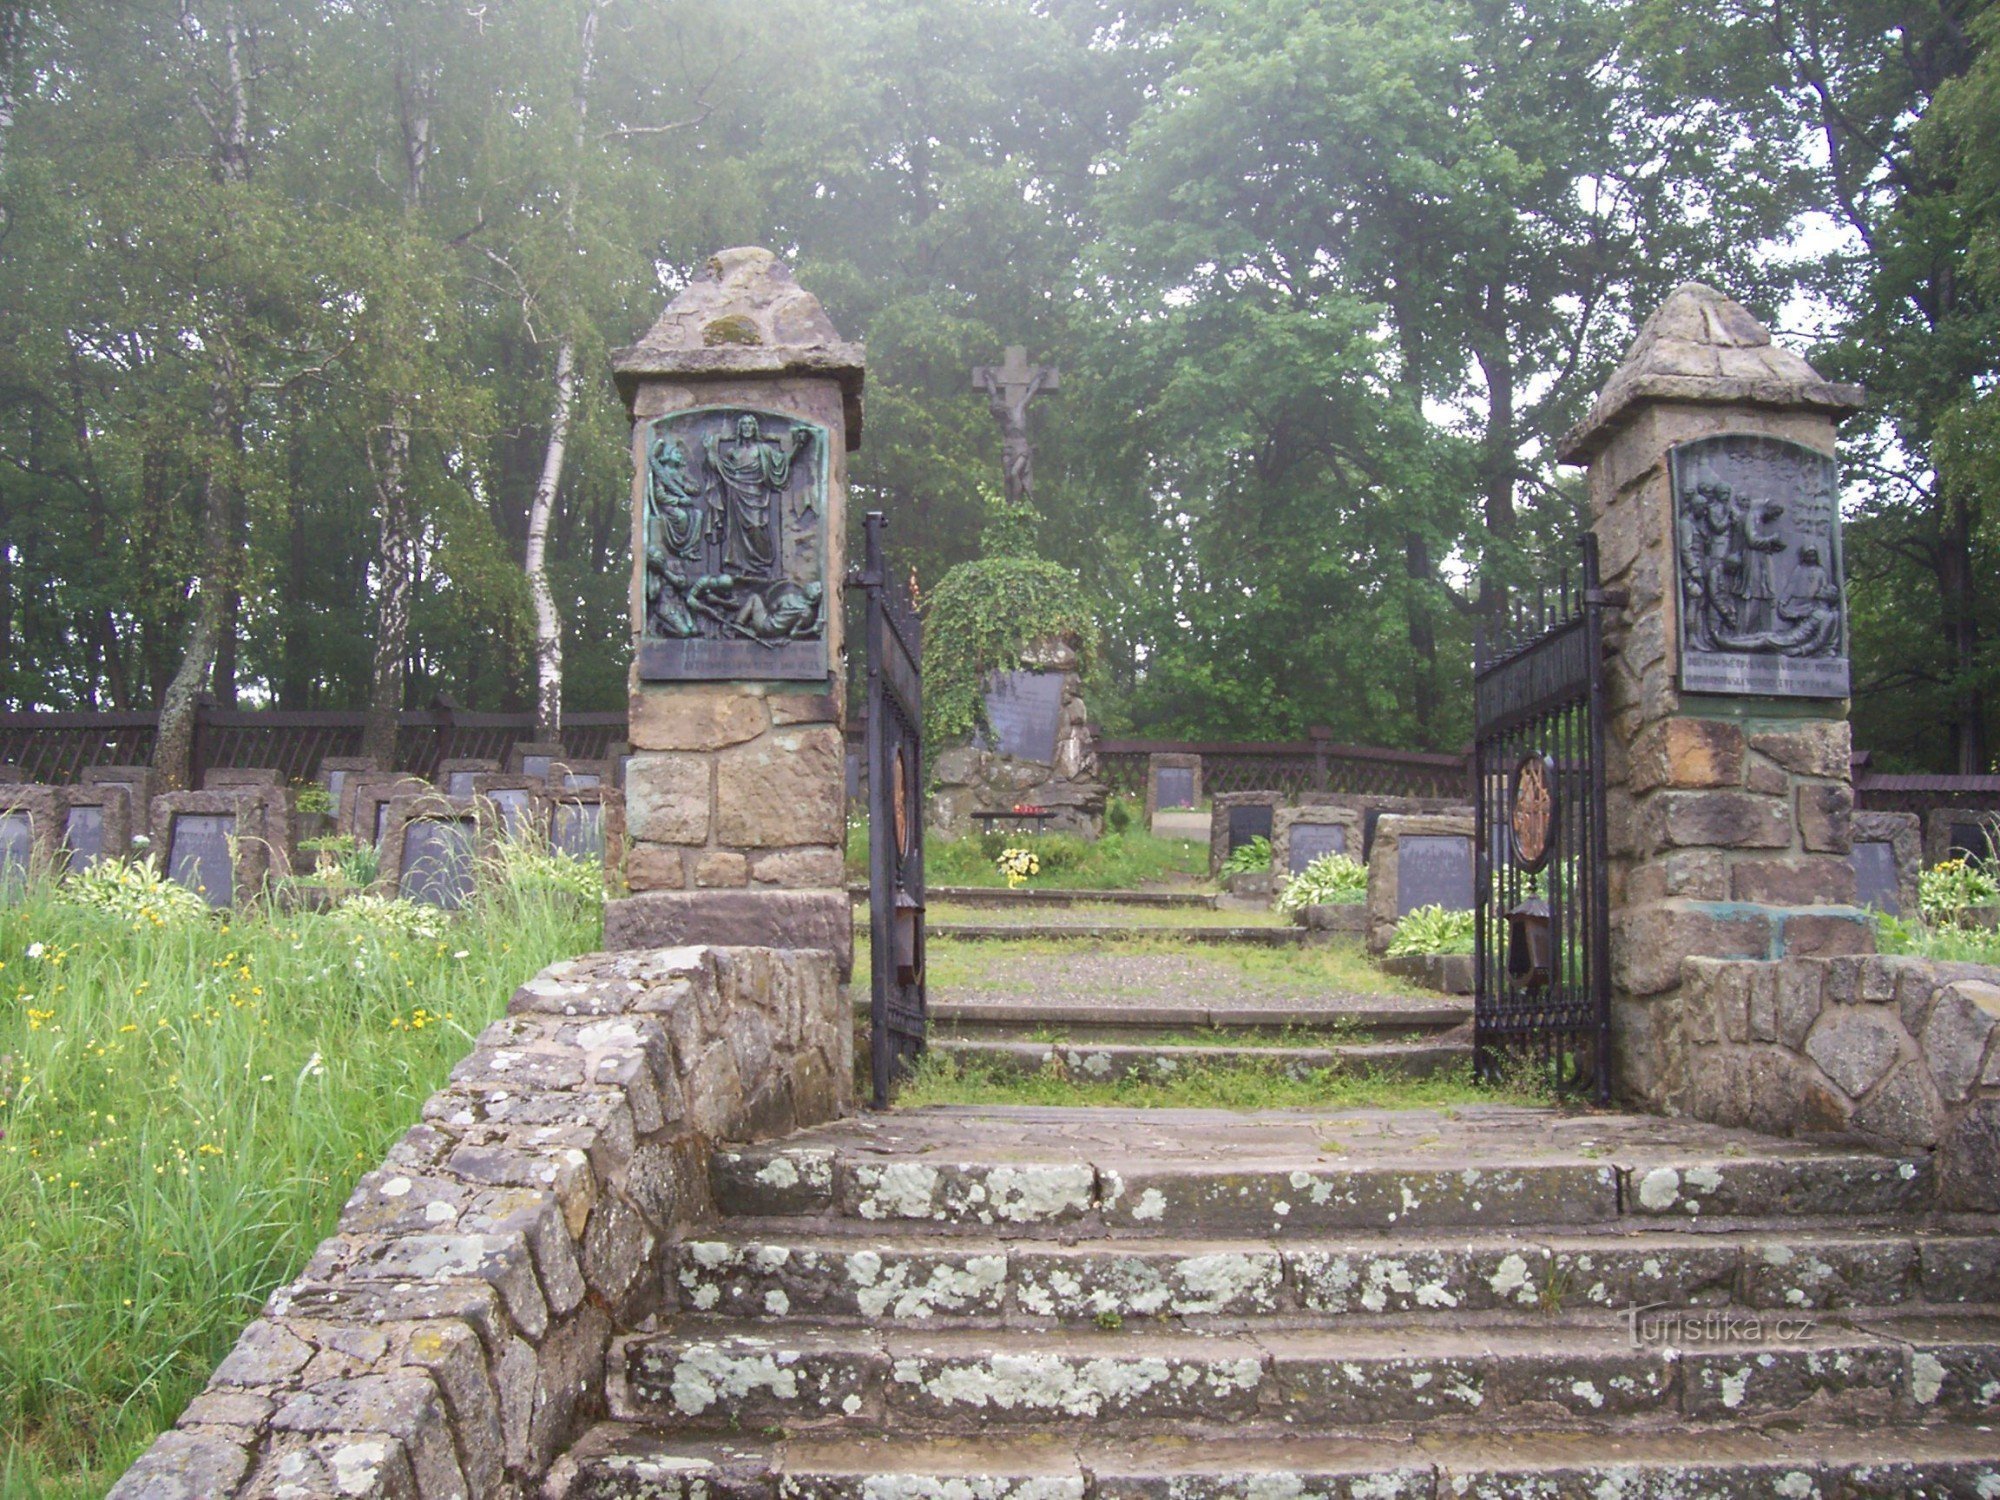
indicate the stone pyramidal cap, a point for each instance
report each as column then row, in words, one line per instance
column 1699, row 346
column 743, row 314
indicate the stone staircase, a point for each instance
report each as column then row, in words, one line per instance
column 1030, row 1304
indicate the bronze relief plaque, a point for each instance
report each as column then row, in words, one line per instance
column 734, row 533
column 1757, row 549
column 1533, row 815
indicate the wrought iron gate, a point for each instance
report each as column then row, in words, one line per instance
column 895, row 750
column 1543, row 939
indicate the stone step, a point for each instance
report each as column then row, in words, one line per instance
column 618, row 1461
column 1111, row 932
column 913, row 1281
column 1026, row 1017
column 1161, row 1062
column 1214, row 1174
column 1028, row 898
column 720, row 1378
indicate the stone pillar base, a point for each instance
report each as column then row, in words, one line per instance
column 734, row 919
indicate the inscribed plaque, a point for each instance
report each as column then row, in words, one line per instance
column 734, row 535
column 1433, row 870
column 17, row 845
column 1025, row 711
column 198, row 855
column 1250, row 821
column 513, row 805
column 459, row 784
column 437, row 862
column 335, row 780
column 578, row 781
column 1763, row 605
column 1971, row 841
column 537, row 766
column 1308, row 841
column 1175, row 787
column 83, row 835
column 1877, row 882
column 579, row 830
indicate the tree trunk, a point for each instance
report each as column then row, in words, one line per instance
column 548, row 624
column 389, row 464
column 1961, row 623
column 173, row 747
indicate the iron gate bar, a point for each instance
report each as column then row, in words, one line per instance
column 897, row 1007
column 1542, row 694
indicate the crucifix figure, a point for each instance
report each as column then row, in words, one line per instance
column 1009, row 387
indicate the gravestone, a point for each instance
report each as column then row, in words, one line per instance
column 1024, row 710
column 1176, row 786
column 578, row 781
column 198, row 855
column 1969, row 840
column 1246, row 823
column 1434, row 870
column 537, row 766
column 1877, row 881
column 1308, row 841
column 83, row 835
column 514, row 805
column 17, row 845
column 578, row 830
column 437, row 865
column 455, row 777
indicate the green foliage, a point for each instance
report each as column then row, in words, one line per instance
column 186, row 1108
column 1119, row 814
column 1331, row 880
column 396, row 916
column 1117, row 861
column 980, row 619
column 1432, row 930
column 1947, row 944
column 351, row 862
column 1948, row 892
column 1252, row 857
column 134, row 892
column 313, row 798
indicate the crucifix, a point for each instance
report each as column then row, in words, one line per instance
column 1010, row 386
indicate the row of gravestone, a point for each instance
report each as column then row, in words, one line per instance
column 1433, row 859
column 244, row 829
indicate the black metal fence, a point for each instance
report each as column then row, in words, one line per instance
column 898, row 1011
column 1541, row 899
column 1291, row 767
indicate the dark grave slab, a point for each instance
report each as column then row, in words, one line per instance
column 381, row 819
column 437, row 861
column 1877, row 882
column 198, row 855
column 1971, row 841
column 537, row 766
column 83, row 835
column 581, row 781
column 1025, row 711
column 335, row 780
column 1176, row 786
column 17, row 845
column 1308, row 841
column 579, row 830
column 459, row 784
column 514, row 813
column 1252, row 821
column 1433, row 870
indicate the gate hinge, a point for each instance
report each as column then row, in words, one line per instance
column 1612, row 598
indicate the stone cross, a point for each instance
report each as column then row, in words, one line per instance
column 1009, row 387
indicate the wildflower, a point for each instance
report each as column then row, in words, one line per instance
column 35, row 950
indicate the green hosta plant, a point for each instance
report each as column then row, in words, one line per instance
column 1331, row 880
column 137, row 892
column 1948, row 892
column 1253, row 858
column 1432, row 929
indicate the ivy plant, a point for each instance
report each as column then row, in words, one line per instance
column 981, row 617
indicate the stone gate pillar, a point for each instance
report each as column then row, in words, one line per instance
column 1715, row 502
column 745, row 403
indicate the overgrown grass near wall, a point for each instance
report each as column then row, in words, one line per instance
column 1120, row 860
column 185, row 1107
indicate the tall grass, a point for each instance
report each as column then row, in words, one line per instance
column 185, row 1106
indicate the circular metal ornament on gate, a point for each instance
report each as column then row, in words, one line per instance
column 899, row 780
column 1532, row 812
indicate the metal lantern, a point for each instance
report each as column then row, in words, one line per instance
column 1528, row 943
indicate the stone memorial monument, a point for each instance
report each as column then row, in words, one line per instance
column 1714, row 498
column 745, row 403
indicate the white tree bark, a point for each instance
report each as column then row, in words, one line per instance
column 548, row 623
column 395, row 560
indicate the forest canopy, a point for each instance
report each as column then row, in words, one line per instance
column 306, row 309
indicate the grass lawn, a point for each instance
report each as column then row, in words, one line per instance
column 185, row 1108
column 1123, row 967
column 1096, row 914
column 1130, row 860
column 942, row 1079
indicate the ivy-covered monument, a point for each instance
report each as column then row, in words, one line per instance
column 1007, row 640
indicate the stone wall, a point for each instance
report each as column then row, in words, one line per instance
column 1902, row 1051
column 972, row 779
column 449, row 1338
